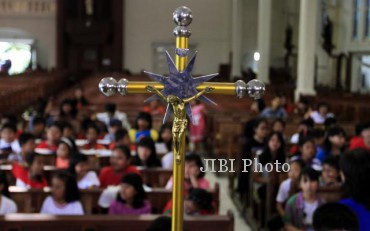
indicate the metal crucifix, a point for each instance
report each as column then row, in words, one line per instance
column 177, row 90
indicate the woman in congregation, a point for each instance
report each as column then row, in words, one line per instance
column 146, row 155
column 273, row 151
column 256, row 131
column 65, row 196
column 79, row 167
column 7, row 205
column 131, row 198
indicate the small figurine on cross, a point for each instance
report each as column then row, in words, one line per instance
column 180, row 121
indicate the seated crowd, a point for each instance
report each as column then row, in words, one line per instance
column 322, row 158
column 70, row 142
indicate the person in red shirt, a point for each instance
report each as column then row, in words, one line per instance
column 120, row 166
column 31, row 176
column 53, row 136
column 362, row 141
column 92, row 133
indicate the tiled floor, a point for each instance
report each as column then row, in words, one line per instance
column 226, row 203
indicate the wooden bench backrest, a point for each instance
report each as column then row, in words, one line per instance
column 30, row 201
column 31, row 222
column 154, row 177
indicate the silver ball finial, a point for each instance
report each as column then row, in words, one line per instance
column 108, row 86
column 122, row 86
column 182, row 16
column 255, row 89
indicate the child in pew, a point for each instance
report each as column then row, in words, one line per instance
column 167, row 160
column 330, row 175
column 194, row 178
column 53, row 136
column 79, row 167
column 92, row 133
column 287, row 188
column 121, row 137
column 335, row 216
column 131, row 198
column 300, row 208
column 143, row 128
column 322, row 113
column 27, row 143
column 65, row 196
column 65, row 152
column 197, row 202
column 355, row 166
column 307, row 152
column 114, row 126
column 146, row 155
column 7, row 205
column 37, row 127
column 165, row 135
column 334, row 144
column 68, row 131
column 120, row 166
column 8, row 142
column 290, row 186
column 31, row 175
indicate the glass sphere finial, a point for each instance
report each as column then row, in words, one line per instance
column 108, row 86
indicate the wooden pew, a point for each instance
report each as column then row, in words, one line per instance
column 30, row 201
column 28, row 222
column 154, row 177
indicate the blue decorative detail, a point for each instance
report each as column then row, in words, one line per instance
column 180, row 84
column 182, row 52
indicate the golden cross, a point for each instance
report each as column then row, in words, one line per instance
column 109, row 86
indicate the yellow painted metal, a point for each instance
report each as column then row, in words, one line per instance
column 179, row 158
column 219, row 88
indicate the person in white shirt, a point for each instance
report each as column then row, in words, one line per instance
column 110, row 114
column 110, row 194
column 79, row 167
column 6, row 204
column 321, row 114
column 167, row 161
column 65, row 197
column 8, row 141
column 289, row 186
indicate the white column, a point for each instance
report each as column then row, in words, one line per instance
column 264, row 39
column 306, row 48
column 236, row 35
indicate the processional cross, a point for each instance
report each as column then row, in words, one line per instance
column 177, row 90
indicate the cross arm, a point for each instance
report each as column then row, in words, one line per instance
column 255, row 89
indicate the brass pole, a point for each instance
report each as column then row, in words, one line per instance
column 179, row 165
